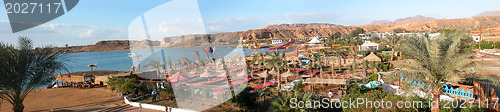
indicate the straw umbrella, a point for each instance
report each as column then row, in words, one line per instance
column 288, row 74
column 264, row 75
column 243, row 73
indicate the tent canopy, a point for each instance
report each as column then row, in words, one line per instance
column 315, row 40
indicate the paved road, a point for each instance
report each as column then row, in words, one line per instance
column 126, row 108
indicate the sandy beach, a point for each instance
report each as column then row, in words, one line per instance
column 72, row 99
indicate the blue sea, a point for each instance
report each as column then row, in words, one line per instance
column 120, row 61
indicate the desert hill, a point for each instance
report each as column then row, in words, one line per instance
column 413, row 19
column 488, row 14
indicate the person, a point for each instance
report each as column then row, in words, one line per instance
column 134, row 94
column 330, row 94
column 153, row 94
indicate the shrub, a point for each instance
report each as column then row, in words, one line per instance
column 245, row 99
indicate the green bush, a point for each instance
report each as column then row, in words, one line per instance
column 486, row 45
column 245, row 99
column 372, row 77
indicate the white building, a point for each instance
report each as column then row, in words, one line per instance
column 476, row 38
column 277, row 41
column 368, row 46
column 371, row 35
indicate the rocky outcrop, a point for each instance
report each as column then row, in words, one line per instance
column 302, row 25
column 269, row 32
column 114, row 45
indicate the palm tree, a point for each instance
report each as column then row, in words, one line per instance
column 170, row 63
column 276, row 62
column 338, row 53
column 197, row 55
column 283, row 102
column 156, row 65
column 24, row 69
column 435, row 61
column 392, row 41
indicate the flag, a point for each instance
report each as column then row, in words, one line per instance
column 69, row 75
column 52, row 71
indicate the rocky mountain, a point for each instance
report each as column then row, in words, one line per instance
column 488, row 14
column 114, row 45
column 323, row 30
column 413, row 19
column 464, row 23
column 294, row 31
column 269, row 32
column 302, row 25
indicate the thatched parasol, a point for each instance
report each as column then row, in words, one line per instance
column 264, row 75
column 243, row 73
column 222, row 74
column 372, row 57
column 206, row 73
column 288, row 74
column 273, row 72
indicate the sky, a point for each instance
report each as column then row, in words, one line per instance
column 96, row 20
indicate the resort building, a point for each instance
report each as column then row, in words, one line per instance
column 277, row 41
column 371, row 35
column 476, row 38
column 368, row 46
column 389, row 53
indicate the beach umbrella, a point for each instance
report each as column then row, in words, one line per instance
column 223, row 74
column 372, row 84
column 206, row 73
column 288, row 74
column 176, row 78
column 242, row 74
column 69, row 75
column 273, row 72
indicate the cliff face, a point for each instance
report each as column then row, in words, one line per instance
column 292, row 31
column 109, row 45
column 302, row 25
column 113, row 45
column 269, row 32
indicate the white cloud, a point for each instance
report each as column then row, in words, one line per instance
column 61, row 34
column 113, row 33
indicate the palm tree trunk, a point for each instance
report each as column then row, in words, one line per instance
column 18, row 107
column 279, row 79
column 392, row 56
column 435, row 98
column 340, row 64
column 333, row 69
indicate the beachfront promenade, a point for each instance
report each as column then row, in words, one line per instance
column 72, row 99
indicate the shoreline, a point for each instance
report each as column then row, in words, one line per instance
column 143, row 49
